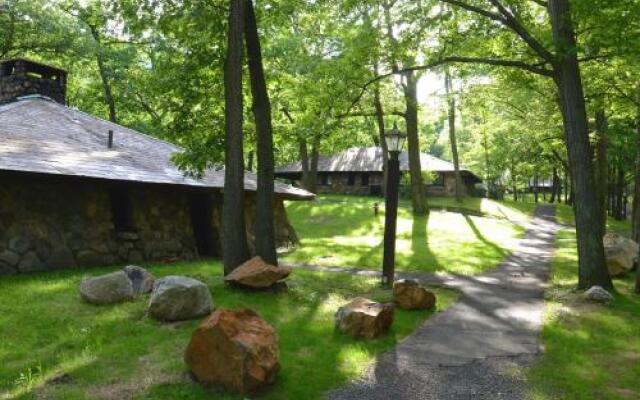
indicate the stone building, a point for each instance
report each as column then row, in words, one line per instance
column 359, row 171
column 76, row 190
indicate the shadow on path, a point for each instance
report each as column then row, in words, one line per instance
column 471, row 350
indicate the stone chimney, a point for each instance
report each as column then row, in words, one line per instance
column 20, row 77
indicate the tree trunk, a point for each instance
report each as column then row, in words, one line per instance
column 535, row 188
column 592, row 269
column 304, row 160
column 377, row 104
column 313, row 167
column 620, row 195
column 250, row 161
column 602, row 171
column 554, row 186
column 418, row 200
column 104, row 76
column 448, row 84
column 265, row 237
column 234, row 240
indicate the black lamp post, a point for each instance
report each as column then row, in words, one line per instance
column 395, row 141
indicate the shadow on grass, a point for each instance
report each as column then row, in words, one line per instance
column 421, row 254
column 481, row 237
column 123, row 353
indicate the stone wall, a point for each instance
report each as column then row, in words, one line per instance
column 54, row 223
column 338, row 182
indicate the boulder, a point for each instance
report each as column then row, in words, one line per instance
column 597, row 294
column 621, row 254
column 408, row 294
column 257, row 274
column 364, row 318
column 177, row 298
column 235, row 349
column 141, row 279
column 106, row 289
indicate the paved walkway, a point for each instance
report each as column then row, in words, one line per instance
column 474, row 349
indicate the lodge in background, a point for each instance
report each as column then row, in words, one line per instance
column 359, row 171
column 76, row 190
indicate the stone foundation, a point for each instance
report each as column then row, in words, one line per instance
column 53, row 223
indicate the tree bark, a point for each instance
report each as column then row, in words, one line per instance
column 235, row 250
column 619, row 215
column 448, row 84
column 535, row 188
column 313, row 167
column 304, row 160
column 554, row 186
column 602, row 171
column 377, row 104
column 418, row 200
column 104, row 76
column 592, row 268
column 265, row 237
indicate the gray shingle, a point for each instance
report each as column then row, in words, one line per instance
column 42, row 136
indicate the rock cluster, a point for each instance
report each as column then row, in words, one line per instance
column 235, row 349
column 257, row 274
column 364, row 318
column 408, row 294
column 117, row 286
column 621, row 254
column 177, row 298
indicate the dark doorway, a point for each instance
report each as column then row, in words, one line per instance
column 121, row 209
column 201, row 211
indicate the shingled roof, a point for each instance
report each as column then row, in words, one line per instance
column 369, row 159
column 41, row 136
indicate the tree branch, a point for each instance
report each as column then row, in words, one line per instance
column 541, row 3
column 452, row 60
column 507, row 19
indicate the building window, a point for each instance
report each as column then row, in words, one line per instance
column 121, row 210
column 365, row 179
column 351, row 179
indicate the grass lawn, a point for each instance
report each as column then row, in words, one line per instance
column 117, row 352
column 343, row 231
column 592, row 351
column 564, row 215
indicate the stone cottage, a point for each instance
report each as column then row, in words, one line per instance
column 359, row 171
column 76, row 190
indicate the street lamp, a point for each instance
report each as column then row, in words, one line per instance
column 395, row 141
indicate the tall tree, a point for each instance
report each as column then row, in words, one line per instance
column 410, row 90
column 264, row 225
column 451, row 102
column 235, row 248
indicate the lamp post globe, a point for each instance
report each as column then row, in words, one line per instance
column 395, row 142
column 395, row 139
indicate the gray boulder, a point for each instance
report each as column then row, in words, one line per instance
column 141, row 279
column 107, row 289
column 177, row 298
column 598, row 294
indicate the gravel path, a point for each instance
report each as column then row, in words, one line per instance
column 476, row 348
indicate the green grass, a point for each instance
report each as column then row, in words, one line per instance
column 343, row 231
column 117, row 352
column 592, row 351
